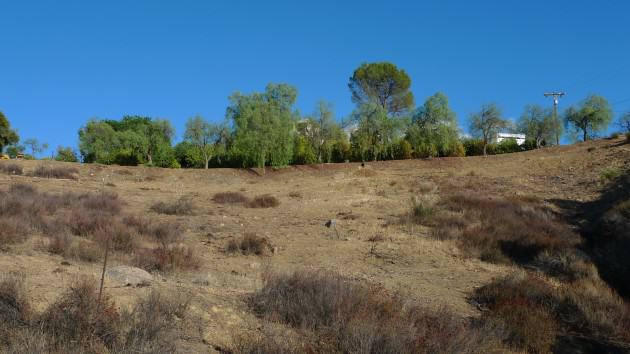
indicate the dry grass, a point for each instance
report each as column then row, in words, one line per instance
column 250, row 243
column 351, row 318
column 182, row 206
column 11, row 168
column 263, row 201
column 166, row 259
column 57, row 172
column 77, row 323
column 503, row 230
column 230, row 198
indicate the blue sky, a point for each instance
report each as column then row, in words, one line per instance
column 64, row 62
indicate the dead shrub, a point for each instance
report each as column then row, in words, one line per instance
column 504, row 230
column 104, row 202
column 377, row 238
column 182, row 206
column 85, row 222
column 149, row 326
column 57, row 172
column 15, row 308
column 84, row 250
column 349, row 317
column 11, row 168
column 230, row 198
column 138, row 223
column 59, row 243
column 77, row 317
column 166, row 259
column 118, row 236
column 12, row 231
column 422, row 211
column 263, row 201
column 22, row 188
column 249, row 244
column 567, row 266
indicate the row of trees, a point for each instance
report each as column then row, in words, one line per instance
column 264, row 129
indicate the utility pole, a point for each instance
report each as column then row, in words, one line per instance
column 556, row 97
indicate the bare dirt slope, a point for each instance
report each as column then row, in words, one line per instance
column 365, row 201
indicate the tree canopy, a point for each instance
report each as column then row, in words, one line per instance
column 487, row 123
column 592, row 115
column 538, row 124
column 8, row 136
column 434, row 130
column 263, row 126
column 204, row 136
column 382, row 84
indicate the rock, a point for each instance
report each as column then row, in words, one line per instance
column 130, row 276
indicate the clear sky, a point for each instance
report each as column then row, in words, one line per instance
column 64, row 62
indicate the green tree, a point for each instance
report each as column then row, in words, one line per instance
column 434, row 130
column 263, row 126
column 204, row 135
column 624, row 122
column 538, row 124
column 382, row 84
column 486, row 124
column 592, row 115
column 66, row 154
column 98, row 142
column 35, row 146
column 8, row 136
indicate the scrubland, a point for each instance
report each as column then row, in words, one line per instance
column 523, row 252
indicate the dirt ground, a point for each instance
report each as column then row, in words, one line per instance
column 365, row 201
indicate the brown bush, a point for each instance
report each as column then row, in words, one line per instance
column 11, row 168
column 12, row 231
column 422, row 211
column 249, row 244
column 505, row 230
column 165, row 233
column 55, row 172
column 15, row 308
column 104, row 202
column 59, row 243
column 230, row 198
column 85, row 222
column 22, row 188
column 263, row 201
column 182, row 206
column 77, row 317
column 348, row 317
column 166, row 259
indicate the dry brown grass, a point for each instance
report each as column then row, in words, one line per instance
column 11, row 168
column 57, row 172
column 230, row 198
column 263, row 201
column 349, row 317
column 250, row 243
column 77, row 323
column 166, row 259
column 182, row 206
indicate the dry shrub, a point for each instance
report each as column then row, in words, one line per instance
column 182, row 206
column 504, row 230
column 349, row 317
column 55, row 172
column 249, row 244
column 77, row 317
column 166, row 259
column 103, row 202
column 377, row 238
column 534, row 310
column 12, row 231
column 569, row 265
column 149, row 327
column 165, row 233
column 422, row 210
column 85, row 222
column 118, row 236
column 15, row 308
column 296, row 195
column 274, row 340
column 230, row 198
column 22, row 188
column 84, row 250
column 11, row 168
column 263, row 201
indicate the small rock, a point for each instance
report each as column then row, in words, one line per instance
column 130, row 276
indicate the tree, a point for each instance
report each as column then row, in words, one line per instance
column 486, row 124
column 204, row 136
column 263, row 125
column 434, row 130
column 592, row 115
column 383, row 84
column 35, row 146
column 8, row 136
column 624, row 122
column 66, row 154
column 538, row 124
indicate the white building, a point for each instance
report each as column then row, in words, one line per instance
column 520, row 138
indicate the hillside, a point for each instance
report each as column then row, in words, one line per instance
column 375, row 242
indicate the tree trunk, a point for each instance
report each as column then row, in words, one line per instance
column 484, row 148
column 207, row 160
column 585, row 135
